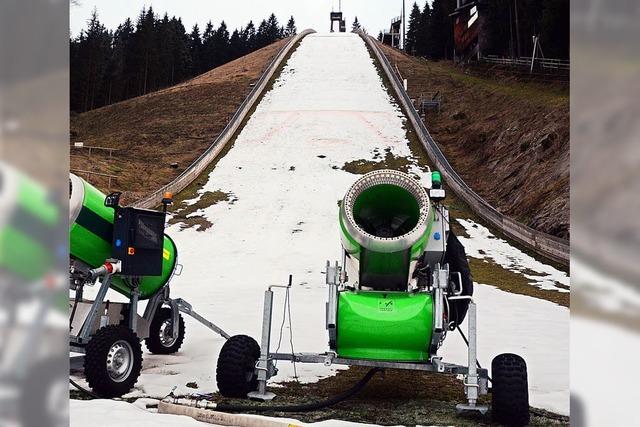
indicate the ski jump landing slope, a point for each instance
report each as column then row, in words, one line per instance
column 284, row 180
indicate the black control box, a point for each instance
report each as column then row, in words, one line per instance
column 138, row 240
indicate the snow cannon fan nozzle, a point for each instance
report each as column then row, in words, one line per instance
column 385, row 218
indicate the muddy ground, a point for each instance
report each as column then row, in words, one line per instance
column 394, row 397
column 507, row 138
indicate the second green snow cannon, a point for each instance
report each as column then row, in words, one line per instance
column 91, row 238
column 125, row 249
column 403, row 283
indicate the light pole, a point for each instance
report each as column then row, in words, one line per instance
column 404, row 32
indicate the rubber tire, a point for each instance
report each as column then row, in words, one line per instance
column 153, row 342
column 510, row 390
column 456, row 257
column 36, row 389
column 237, row 357
column 95, row 361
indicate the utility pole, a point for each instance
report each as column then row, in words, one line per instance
column 515, row 3
column 512, row 51
column 404, row 22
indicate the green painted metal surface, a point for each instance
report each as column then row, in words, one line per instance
column 384, row 325
column 436, row 178
column 90, row 241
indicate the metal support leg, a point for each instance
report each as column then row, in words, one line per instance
column 97, row 303
column 471, row 381
column 133, row 310
column 263, row 367
column 175, row 320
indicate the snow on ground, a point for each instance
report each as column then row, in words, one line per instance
column 111, row 412
column 328, row 107
column 482, row 244
column 536, row 329
column 118, row 413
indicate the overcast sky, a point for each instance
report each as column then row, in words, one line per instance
column 374, row 15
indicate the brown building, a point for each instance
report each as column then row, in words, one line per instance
column 469, row 37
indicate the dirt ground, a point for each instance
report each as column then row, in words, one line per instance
column 507, row 138
column 174, row 125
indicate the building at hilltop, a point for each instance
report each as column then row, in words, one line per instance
column 392, row 37
column 470, row 39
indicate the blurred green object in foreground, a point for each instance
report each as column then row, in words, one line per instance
column 28, row 221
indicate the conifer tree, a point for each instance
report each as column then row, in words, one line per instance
column 153, row 53
column 291, row 29
column 355, row 27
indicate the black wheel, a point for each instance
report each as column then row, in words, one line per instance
column 235, row 373
column 113, row 360
column 44, row 400
column 456, row 257
column 161, row 339
column 510, row 390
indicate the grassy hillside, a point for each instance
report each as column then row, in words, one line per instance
column 508, row 139
column 172, row 125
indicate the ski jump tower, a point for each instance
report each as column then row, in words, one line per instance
column 337, row 17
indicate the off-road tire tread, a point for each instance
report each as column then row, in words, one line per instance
column 510, row 391
column 238, row 354
column 95, row 368
column 153, row 343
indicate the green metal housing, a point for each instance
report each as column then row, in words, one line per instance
column 385, row 221
column 90, row 241
column 384, row 325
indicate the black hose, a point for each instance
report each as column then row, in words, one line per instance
column 84, row 390
column 306, row 407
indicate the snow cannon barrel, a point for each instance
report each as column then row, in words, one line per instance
column 385, row 221
column 91, row 236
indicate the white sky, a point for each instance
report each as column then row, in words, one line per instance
column 374, row 15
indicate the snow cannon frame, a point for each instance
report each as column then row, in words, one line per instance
column 104, row 241
column 403, row 283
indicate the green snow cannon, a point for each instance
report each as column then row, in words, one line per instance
column 91, row 238
column 393, row 235
column 402, row 284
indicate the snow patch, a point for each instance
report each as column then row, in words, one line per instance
column 483, row 244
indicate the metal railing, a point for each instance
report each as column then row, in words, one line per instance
column 201, row 163
column 542, row 243
column 525, row 61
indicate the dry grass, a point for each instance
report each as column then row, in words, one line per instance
column 491, row 273
column 508, row 139
column 171, row 125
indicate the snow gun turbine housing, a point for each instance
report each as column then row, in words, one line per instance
column 385, row 221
